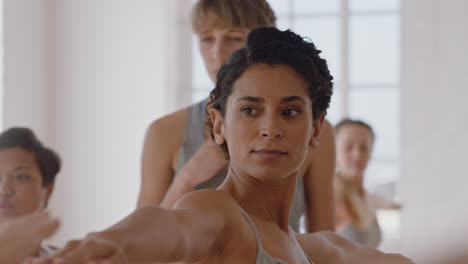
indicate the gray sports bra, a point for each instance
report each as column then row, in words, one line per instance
column 194, row 138
column 262, row 255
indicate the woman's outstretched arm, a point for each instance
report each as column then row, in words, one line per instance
column 328, row 247
column 152, row 234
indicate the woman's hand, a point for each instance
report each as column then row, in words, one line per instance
column 202, row 166
column 91, row 250
column 205, row 163
column 21, row 237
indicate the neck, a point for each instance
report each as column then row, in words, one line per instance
column 270, row 201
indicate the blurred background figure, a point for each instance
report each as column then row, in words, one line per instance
column 355, row 206
column 27, row 175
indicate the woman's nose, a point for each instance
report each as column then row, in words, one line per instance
column 6, row 189
column 270, row 129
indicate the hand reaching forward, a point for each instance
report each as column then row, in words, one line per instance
column 91, row 250
column 205, row 163
column 20, row 237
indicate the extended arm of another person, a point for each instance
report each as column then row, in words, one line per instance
column 159, row 183
column 328, row 247
column 153, row 234
column 202, row 166
column 318, row 183
column 20, row 237
column 379, row 202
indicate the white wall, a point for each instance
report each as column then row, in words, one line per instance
column 90, row 76
column 25, row 80
column 434, row 120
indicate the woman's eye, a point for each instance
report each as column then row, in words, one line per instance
column 237, row 39
column 206, row 39
column 291, row 112
column 22, row 177
column 249, row 110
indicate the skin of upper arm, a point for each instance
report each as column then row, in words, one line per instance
column 162, row 142
column 211, row 221
column 318, row 183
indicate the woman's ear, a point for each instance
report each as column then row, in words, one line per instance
column 48, row 193
column 317, row 126
column 217, row 120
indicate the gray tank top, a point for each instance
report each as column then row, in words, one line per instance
column 262, row 255
column 194, row 138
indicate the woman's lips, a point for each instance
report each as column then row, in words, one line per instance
column 270, row 153
column 6, row 207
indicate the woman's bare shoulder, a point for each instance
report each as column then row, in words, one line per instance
column 208, row 198
column 169, row 124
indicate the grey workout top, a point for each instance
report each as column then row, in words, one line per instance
column 369, row 236
column 194, row 138
column 262, row 255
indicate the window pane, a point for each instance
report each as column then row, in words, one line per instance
column 373, row 5
column 324, row 32
column 281, row 7
column 374, row 49
column 381, row 108
column 200, row 79
column 316, row 6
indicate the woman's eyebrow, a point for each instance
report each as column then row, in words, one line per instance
column 292, row 99
column 20, row 168
column 251, row 99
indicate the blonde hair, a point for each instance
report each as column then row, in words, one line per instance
column 359, row 212
column 234, row 13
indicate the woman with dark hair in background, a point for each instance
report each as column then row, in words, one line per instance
column 267, row 111
column 27, row 176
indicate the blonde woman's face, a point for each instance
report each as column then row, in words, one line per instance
column 217, row 43
column 354, row 147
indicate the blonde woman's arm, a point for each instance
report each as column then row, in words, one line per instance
column 160, row 184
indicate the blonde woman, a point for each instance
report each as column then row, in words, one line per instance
column 355, row 207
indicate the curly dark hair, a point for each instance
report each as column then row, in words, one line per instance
column 48, row 160
column 275, row 47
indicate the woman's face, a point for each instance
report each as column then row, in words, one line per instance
column 354, row 147
column 216, row 42
column 268, row 124
column 21, row 190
